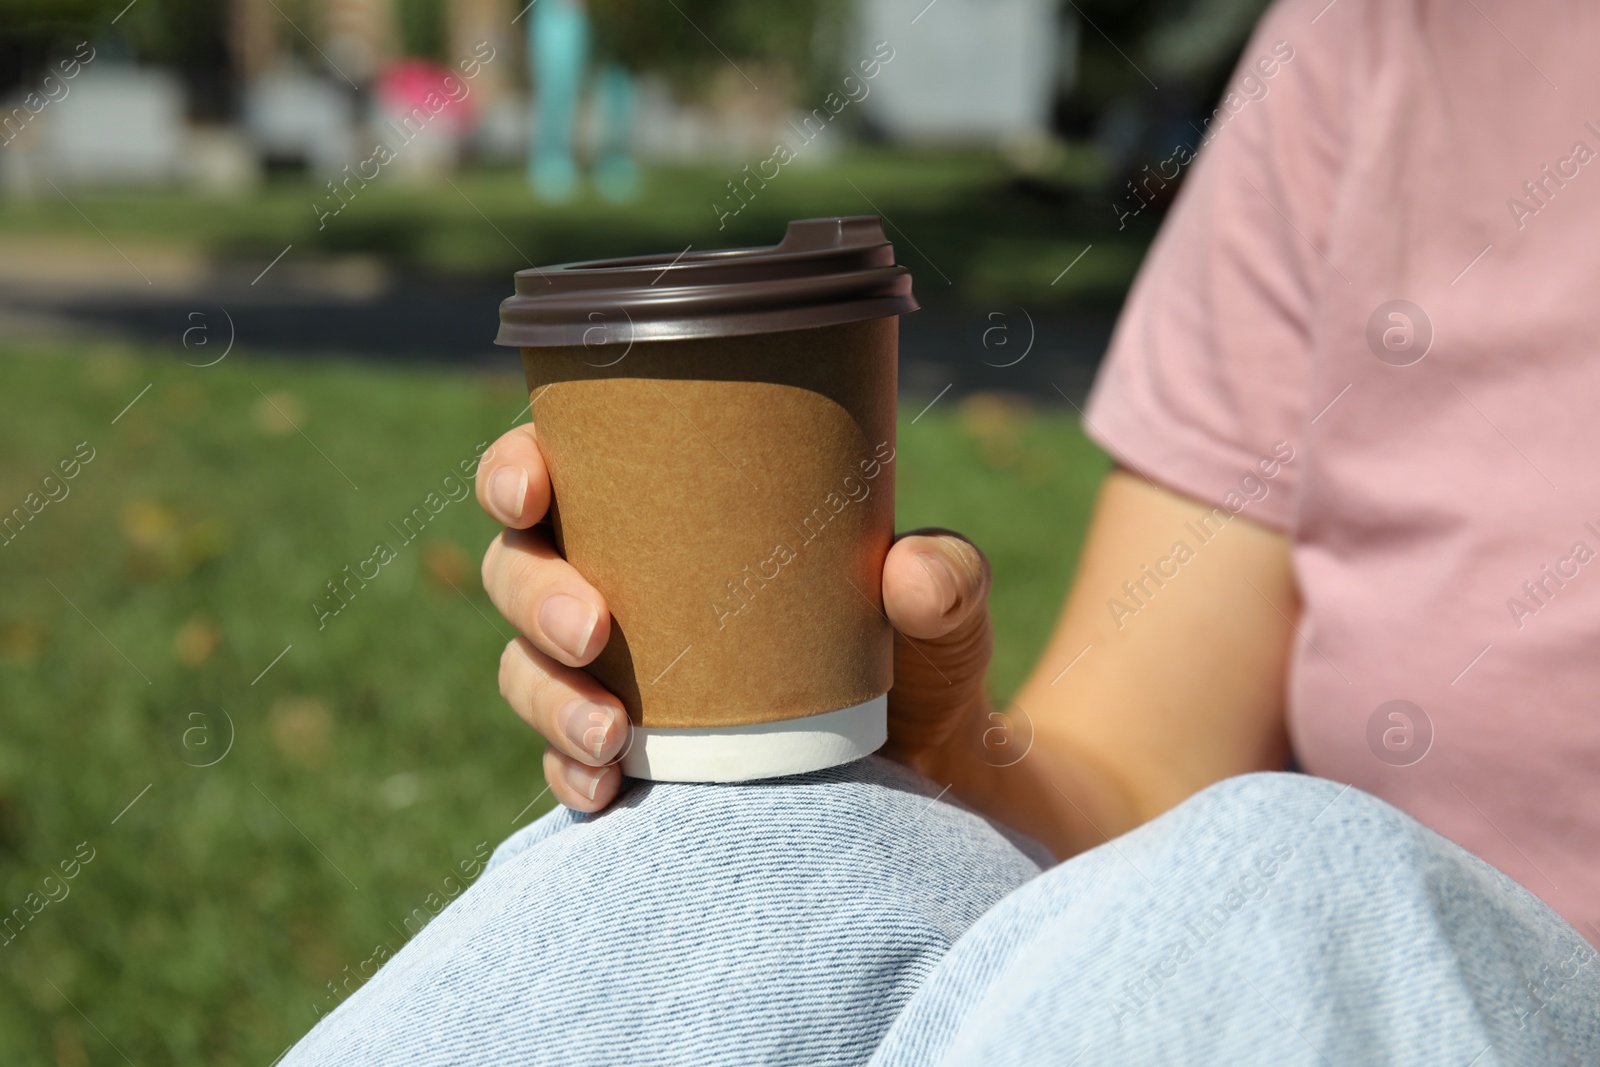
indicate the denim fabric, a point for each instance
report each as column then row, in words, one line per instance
column 777, row 922
column 1273, row 918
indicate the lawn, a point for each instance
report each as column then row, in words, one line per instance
column 971, row 226
column 267, row 807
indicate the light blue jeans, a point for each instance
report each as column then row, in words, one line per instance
column 852, row 914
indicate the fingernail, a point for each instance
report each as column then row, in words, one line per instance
column 585, row 780
column 944, row 579
column 508, row 488
column 589, row 726
column 569, row 622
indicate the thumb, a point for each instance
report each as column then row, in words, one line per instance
column 936, row 593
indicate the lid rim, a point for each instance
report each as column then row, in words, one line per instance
column 825, row 272
column 695, row 327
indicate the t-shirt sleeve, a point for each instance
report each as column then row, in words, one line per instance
column 1204, row 385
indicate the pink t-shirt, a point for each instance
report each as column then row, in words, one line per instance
column 1444, row 492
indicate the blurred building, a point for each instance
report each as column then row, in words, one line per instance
column 982, row 71
column 315, row 84
column 296, row 117
column 119, row 123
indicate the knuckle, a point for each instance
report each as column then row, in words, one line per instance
column 486, row 569
column 519, row 579
column 528, row 687
column 508, row 665
column 541, row 695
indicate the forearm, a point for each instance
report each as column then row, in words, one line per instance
column 1058, row 795
column 1126, row 716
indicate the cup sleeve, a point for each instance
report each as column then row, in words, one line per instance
column 1204, row 387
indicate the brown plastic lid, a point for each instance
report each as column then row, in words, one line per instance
column 824, row 272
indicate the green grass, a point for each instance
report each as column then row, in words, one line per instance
column 376, row 753
column 967, row 223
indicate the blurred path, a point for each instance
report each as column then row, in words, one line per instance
column 356, row 307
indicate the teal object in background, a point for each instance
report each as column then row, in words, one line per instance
column 558, row 50
column 616, row 175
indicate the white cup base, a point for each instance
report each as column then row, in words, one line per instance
column 759, row 750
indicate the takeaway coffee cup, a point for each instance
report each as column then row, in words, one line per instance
column 720, row 433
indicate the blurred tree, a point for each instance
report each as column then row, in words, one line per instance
column 686, row 41
column 49, row 20
column 35, row 29
column 188, row 35
column 1149, row 72
column 1201, row 38
column 1134, row 46
column 422, row 28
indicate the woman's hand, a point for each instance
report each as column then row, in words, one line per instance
column 935, row 592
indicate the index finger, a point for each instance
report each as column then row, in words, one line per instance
column 513, row 484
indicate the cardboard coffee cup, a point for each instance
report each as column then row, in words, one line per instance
column 720, row 433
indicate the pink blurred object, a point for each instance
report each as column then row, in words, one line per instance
column 408, row 84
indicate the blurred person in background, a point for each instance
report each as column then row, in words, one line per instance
column 558, row 55
column 1348, row 533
